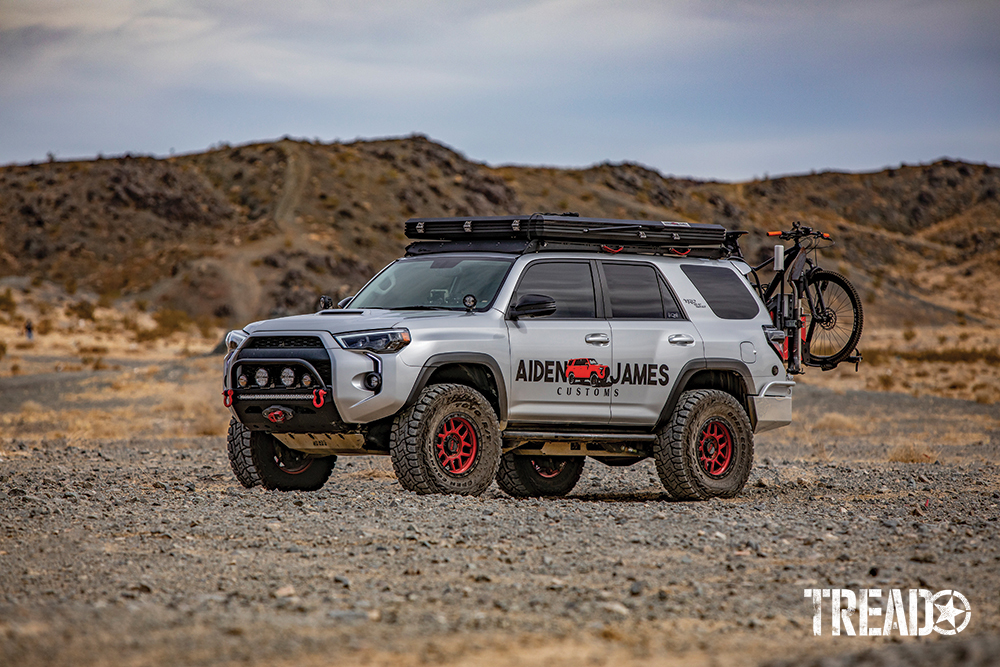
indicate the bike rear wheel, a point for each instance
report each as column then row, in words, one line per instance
column 834, row 329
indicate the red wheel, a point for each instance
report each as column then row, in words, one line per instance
column 549, row 467
column 523, row 476
column 447, row 442
column 715, row 448
column 456, row 445
column 290, row 461
column 705, row 450
column 285, row 469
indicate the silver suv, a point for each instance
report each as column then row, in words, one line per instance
column 513, row 348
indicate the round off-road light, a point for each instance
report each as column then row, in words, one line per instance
column 288, row 377
column 242, row 380
column 307, row 380
column 261, row 377
column 469, row 301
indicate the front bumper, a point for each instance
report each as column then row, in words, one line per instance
column 337, row 372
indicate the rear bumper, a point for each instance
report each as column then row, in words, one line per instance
column 773, row 405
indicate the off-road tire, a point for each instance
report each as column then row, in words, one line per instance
column 440, row 409
column 238, row 447
column 299, row 472
column 518, row 476
column 699, row 415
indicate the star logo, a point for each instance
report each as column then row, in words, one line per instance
column 949, row 614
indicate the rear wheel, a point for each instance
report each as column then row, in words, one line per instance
column 706, row 449
column 284, row 469
column 526, row 476
column 834, row 318
column 448, row 442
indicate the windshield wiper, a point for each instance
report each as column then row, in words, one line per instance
column 421, row 308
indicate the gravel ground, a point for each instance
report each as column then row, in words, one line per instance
column 148, row 552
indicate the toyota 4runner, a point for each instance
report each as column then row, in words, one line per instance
column 513, row 348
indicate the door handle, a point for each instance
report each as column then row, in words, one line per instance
column 680, row 339
column 598, row 339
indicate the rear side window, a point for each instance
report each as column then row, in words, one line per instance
column 722, row 289
column 637, row 292
column 570, row 284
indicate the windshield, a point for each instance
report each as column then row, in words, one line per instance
column 435, row 282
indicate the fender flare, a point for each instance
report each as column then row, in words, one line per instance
column 472, row 358
column 709, row 364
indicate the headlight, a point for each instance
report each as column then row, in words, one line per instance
column 234, row 338
column 391, row 340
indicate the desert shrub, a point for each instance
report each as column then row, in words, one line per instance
column 7, row 304
column 886, row 381
column 44, row 327
column 82, row 309
column 168, row 321
column 3, row 349
column 909, row 335
column 836, row 423
column 912, row 452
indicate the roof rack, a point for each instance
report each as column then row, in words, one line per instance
column 569, row 229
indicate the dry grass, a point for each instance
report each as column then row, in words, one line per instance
column 372, row 467
column 912, row 452
column 835, row 423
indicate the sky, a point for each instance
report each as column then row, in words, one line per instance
column 727, row 89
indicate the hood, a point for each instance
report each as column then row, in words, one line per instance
column 342, row 321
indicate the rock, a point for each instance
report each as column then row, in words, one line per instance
column 636, row 588
column 616, row 608
column 284, row 592
column 159, row 485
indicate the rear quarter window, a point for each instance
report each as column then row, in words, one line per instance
column 723, row 291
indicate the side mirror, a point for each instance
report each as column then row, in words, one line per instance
column 533, row 305
column 344, row 303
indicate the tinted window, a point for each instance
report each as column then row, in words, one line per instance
column 723, row 290
column 634, row 291
column 670, row 307
column 637, row 292
column 570, row 284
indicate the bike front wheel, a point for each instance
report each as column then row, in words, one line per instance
column 834, row 319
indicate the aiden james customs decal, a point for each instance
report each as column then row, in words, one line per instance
column 589, row 372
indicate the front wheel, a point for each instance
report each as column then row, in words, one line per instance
column 447, row 442
column 526, row 476
column 834, row 318
column 706, row 449
column 284, row 469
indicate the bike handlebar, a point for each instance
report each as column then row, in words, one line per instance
column 798, row 232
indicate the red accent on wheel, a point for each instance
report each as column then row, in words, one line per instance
column 456, row 445
column 289, row 462
column 547, row 468
column 715, row 448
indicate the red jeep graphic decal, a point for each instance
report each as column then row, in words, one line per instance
column 587, row 371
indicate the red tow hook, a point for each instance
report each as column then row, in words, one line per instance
column 227, row 398
column 318, row 397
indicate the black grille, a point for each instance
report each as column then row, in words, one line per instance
column 273, row 342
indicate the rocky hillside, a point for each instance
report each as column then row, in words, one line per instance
column 263, row 229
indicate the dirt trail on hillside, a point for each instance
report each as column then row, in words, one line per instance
column 237, row 261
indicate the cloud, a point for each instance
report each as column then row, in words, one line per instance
column 557, row 81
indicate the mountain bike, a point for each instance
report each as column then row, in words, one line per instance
column 820, row 311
